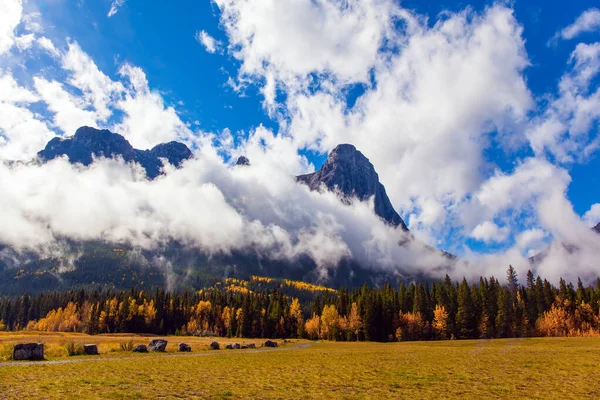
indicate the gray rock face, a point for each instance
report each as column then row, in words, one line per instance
column 90, row 349
column 89, row 143
column 597, row 228
column 28, row 351
column 157, row 345
column 270, row 343
column 184, row 347
column 140, row 348
column 214, row 346
column 242, row 161
column 352, row 174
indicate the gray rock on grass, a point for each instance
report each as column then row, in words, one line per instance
column 184, row 347
column 140, row 348
column 28, row 351
column 90, row 349
column 158, row 345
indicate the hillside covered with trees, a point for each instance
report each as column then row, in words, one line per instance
column 270, row 308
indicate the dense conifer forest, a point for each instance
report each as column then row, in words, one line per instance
column 271, row 308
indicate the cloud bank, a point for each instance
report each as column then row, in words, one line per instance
column 434, row 98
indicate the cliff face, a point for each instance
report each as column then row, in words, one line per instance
column 88, row 143
column 351, row 173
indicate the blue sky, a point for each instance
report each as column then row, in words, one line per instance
column 260, row 74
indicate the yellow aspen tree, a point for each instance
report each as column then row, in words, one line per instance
column 354, row 321
column 440, row 321
column 312, row 326
column 329, row 322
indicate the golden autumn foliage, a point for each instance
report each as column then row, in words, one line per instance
column 411, row 326
column 61, row 320
column 330, row 319
column 312, row 326
column 440, row 321
column 558, row 321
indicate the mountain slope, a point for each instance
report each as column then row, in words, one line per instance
column 89, row 143
column 352, row 174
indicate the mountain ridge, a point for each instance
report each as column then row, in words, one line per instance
column 88, row 143
column 349, row 171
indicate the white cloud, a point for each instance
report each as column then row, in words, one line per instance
column 210, row 44
column 147, row 120
column 588, row 21
column 295, row 38
column 426, row 122
column 592, row 216
column 98, row 89
column 532, row 241
column 114, row 7
column 565, row 127
column 10, row 17
column 22, row 134
column 489, row 232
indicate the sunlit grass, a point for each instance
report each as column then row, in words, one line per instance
column 517, row 368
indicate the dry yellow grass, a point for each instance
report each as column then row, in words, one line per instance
column 517, row 368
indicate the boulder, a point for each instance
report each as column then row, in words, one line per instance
column 157, row 345
column 229, row 346
column 28, row 351
column 236, row 346
column 140, row 348
column 244, row 347
column 251, row 345
column 90, row 349
column 270, row 343
column 214, row 346
column 184, row 347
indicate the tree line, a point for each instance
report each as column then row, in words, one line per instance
column 417, row 311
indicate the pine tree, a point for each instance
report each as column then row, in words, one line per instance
column 465, row 315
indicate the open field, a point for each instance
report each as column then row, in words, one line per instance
column 515, row 368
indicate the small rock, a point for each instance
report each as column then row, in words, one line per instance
column 236, row 346
column 251, row 346
column 270, row 343
column 90, row 349
column 157, row 345
column 229, row 346
column 28, row 351
column 214, row 346
column 184, row 347
column 244, row 347
column 140, row 348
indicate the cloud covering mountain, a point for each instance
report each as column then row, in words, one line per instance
column 425, row 100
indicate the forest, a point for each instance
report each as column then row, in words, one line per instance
column 236, row 308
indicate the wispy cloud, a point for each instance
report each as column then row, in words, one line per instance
column 588, row 21
column 114, row 7
column 210, row 44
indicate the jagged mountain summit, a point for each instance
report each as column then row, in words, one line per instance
column 351, row 173
column 89, row 142
column 242, row 160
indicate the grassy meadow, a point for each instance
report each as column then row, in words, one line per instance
column 553, row 368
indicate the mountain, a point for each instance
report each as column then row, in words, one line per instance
column 102, row 265
column 89, row 143
column 352, row 174
column 242, row 161
column 597, row 228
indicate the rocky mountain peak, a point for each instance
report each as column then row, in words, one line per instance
column 242, row 160
column 348, row 171
column 89, row 143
